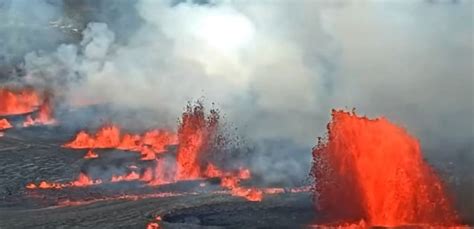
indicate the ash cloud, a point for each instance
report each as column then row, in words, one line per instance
column 276, row 82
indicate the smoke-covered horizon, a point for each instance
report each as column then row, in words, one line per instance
column 274, row 69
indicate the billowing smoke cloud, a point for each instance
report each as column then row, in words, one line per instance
column 19, row 22
column 276, row 68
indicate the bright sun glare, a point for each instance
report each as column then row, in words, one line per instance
column 225, row 32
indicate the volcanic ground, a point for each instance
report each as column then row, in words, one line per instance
column 35, row 154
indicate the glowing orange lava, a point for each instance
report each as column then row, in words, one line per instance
column 4, row 124
column 154, row 224
column 109, row 136
column 232, row 183
column 130, row 142
column 195, row 137
column 44, row 116
column 129, row 177
column 91, row 155
column 82, row 180
column 232, row 180
column 18, row 101
column 373, row 170
column 162, row 173
column 194, row 134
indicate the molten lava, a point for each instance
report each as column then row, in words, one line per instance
column 161, row 174
column 44, row 116
column 130, row 142
column 373, row 170
column 109, row 136
column 158, row 139
column 4, row 124
column 18, row 101
column 82, row 181
column 194, row 135
column 154, row 224
column 231, row 181
column 195, row 140
column 129, row 177
column 91, row 155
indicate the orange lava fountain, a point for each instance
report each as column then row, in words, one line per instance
column 18, row 101
column 373, row 170
column 194, row 134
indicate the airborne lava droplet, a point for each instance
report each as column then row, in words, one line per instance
column 373, row 170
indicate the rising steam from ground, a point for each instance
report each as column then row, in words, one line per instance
column 276, row 68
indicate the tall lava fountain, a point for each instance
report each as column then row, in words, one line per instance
column 373, row 170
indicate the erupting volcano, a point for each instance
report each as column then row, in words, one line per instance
column 203, row 114
column 373, row 170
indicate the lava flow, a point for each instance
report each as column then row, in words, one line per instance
column 373, row 170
